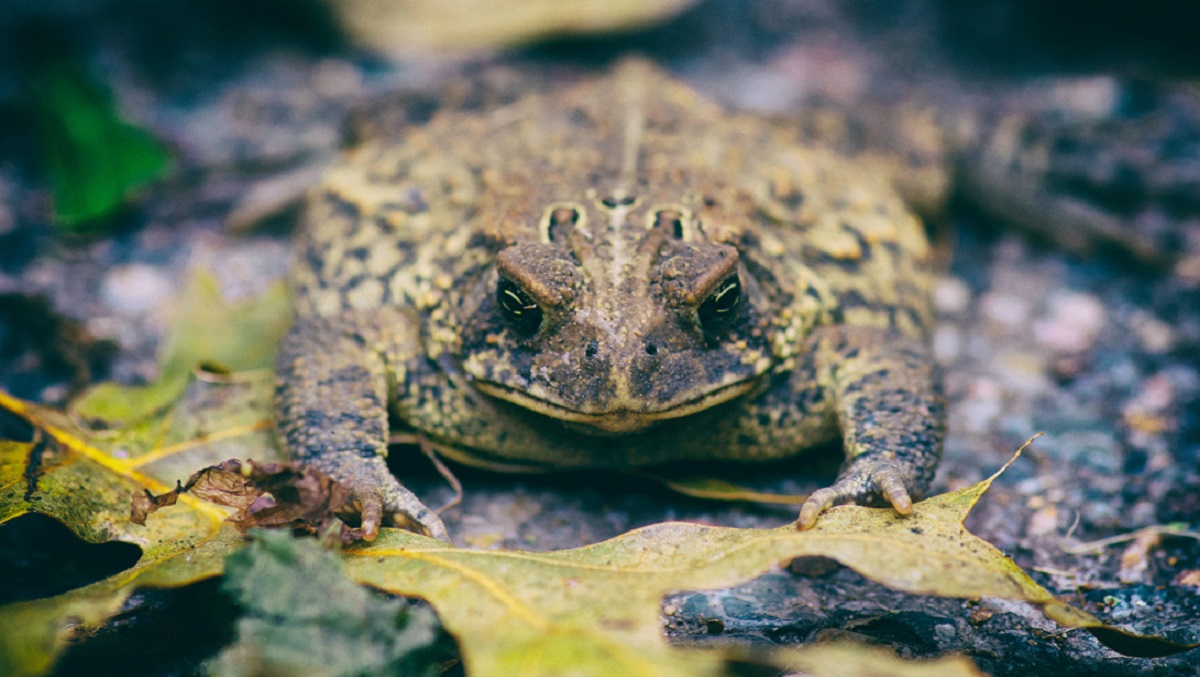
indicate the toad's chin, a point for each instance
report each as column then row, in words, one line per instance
column 617, row 418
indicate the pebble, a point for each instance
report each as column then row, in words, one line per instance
column 1188, row 270
column 1023, row 372
column 1148, row 411
column 1089, row 97
column 135, row 289
column 1004, row 309
column 1043, row 522
column 1072, row 322
column 337, row 78
column 951, row 296
column 1157, row 394
column 1153, row 335
column 947, row 344
column 945, row 632
column 981, row 406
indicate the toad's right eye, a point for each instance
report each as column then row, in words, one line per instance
column 521, row 311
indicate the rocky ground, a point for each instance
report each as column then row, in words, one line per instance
column 1095, row 352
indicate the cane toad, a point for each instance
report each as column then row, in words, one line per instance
column 616, row 274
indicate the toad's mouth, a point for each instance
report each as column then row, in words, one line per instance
column 617, row 418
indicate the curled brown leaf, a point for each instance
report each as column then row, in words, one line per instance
column 266, row 495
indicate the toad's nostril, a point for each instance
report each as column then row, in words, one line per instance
column 591, row 349
column 651, row 349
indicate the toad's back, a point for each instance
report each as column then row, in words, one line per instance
column 410, row 220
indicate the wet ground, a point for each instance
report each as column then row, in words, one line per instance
column 1096, row 352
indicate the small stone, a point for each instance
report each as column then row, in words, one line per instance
column 1072, row 323
column 944, row 632
column 1092, row 97
column 1023, row 372
column 1044, row 522
column 1187, row 269
column 336, row 78
column 947, row 344
column 1154, row 335
column 951, row 296
column 1158, row 393
column 1004, row 309
column 57, row 392
column 1078, row 308
column 135, row 289
column 981, row 406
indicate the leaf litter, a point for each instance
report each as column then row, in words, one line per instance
column 294, row 597
column 592, row 610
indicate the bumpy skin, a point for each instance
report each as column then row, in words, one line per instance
column 616, row 274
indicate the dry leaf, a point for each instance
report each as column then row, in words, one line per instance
column 523, row 612
column 208, row 330
column 715, row 489
column 83, row 471
column 265, row 495
column 846, row 659
column 407, row 27
column 591, row 610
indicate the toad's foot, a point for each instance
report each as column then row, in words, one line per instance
column 862, row 483
column 382, row 501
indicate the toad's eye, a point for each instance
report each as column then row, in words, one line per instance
column 522, row 312
column 719, row 307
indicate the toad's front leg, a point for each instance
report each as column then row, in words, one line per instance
column 331, row 397
column 891, row 414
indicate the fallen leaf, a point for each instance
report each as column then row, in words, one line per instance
column 208, row 330
column 302, row 616
column 86, row 483
column 1135, row 559
column 265, row 495
column 593, row 610
column 535, row 613
column 407, row 27
column 847, row 659
column 715, row 489
column 1189, row 577
column 84, row 476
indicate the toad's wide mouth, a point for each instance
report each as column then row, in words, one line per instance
column 617, row 419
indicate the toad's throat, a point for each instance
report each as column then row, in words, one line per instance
column 615, row 419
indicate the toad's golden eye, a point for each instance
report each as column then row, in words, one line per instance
column 719, row 307
column 521, row 311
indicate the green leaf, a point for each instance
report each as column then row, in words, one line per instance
column 237, row 337
column 303, row 616
column 94, row 159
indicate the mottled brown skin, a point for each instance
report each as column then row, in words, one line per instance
column 617, row 274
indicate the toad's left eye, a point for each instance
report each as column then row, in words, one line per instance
column 721, row 304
